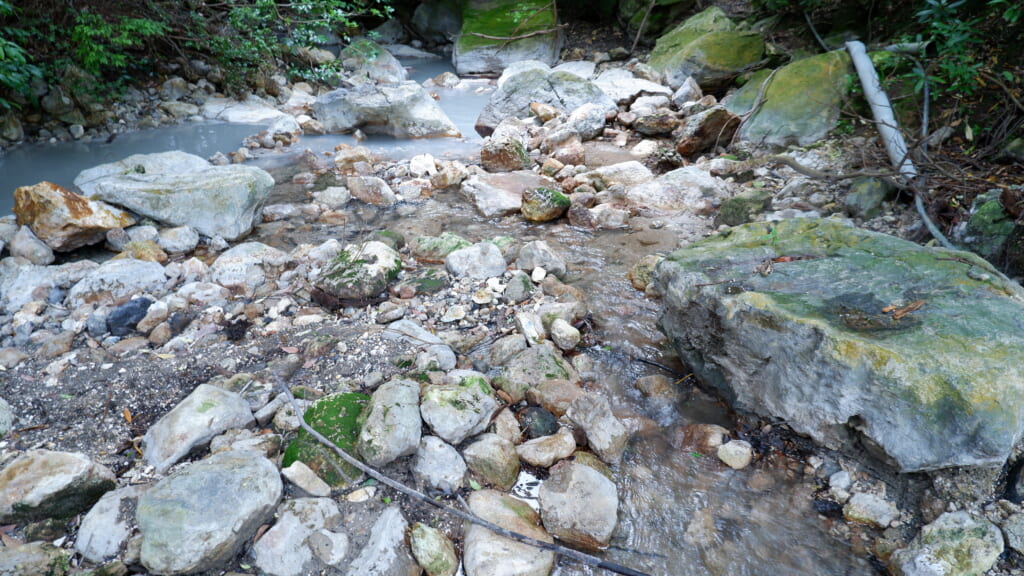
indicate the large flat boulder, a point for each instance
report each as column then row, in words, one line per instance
column 853, row 336
column 801, row 101
column 181, row 189
column 64, row 220
column 403, row 110
column 480, row 48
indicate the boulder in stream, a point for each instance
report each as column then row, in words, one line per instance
column 851, row 336
column 402, row 110
column 182, row 189
column 64, row 220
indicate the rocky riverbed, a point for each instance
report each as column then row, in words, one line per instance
column 484, row 329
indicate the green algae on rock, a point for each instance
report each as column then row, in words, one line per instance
column 707, row 47
column 481, row 46
column 337, row 418
column 852, row 335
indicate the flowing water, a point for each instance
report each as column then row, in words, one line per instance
column 681, row 513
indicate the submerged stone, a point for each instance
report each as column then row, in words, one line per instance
column 849, row 334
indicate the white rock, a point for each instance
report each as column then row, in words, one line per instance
column 736, row 454
column 305, row 480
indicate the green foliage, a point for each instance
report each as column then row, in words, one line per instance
column 16, row 71
column 100, row 44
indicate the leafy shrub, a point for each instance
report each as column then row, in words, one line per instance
column 16, row 72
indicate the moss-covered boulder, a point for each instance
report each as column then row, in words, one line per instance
column 989, row 226
column 801, row 102
column 460, row 409
column 480, row 48
column 743, row 207
column 336, row 417
column 360, row 271
column 955, row 544
column 663, row 14
column 544, row 204
column 855, row 337
column 436, row 248
column 707, row 47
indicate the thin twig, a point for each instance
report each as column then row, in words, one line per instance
column 643, row 24
column 388, row 481
column 520, row 36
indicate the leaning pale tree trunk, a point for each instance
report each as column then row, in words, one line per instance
column 885, row 120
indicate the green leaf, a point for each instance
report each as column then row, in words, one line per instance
column 474, row 484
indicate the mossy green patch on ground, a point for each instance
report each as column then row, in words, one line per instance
column 338, row 418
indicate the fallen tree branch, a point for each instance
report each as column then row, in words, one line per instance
column 643, row 24
column 417, row 495
column 520, row 36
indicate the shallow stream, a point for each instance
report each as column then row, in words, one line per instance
column 681, row 512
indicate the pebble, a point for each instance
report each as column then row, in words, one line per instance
column 736, row 454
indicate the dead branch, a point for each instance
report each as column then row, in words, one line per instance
column 417, row 495
column 520, row 36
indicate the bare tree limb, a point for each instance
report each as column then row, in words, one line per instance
column 417, row 495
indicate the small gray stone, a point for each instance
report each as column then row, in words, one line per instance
column 284, row 549
column 305, row 481
column 538, row 254
column 495, row 459
column 736, row 454
column 547, row 450
column 26, row 245
column 564, row 335
column 386, row 553
column 6, row 412
column 606, row 436
column 434, row 551
column 869, row 509
column 479, row 261
column 438, row 466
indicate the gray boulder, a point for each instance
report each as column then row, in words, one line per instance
column 563, row 90
column 33, row 559
column 860, row 337
column 44, row 484
column 22, row 282
column 105, row 529
column 501, row 194
column 624, row 87
column 531, row 367
column 606, row 436
column 392, row 426
column 403, row 110
column 386, row 554
column 200, row 518
column 461, row 409
column 366, row 61
column 203, row 414
column 579, row 505
column 487, row 553
column 181, row 189
column 480, row 261
column 412, row 333
column 538, row 254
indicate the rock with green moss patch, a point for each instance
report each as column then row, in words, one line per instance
column 867, row 196
column 460, row 409
column 434, row 551
column 544, row 204
column 989, row 226
column 955, row 544
column 476, row 54
column 531, row 367
column 337, row 418
column 743, row 207
column 855, row 337
column 436, row 248
column 801, row 103
column 360, row 271
column 707, row 47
